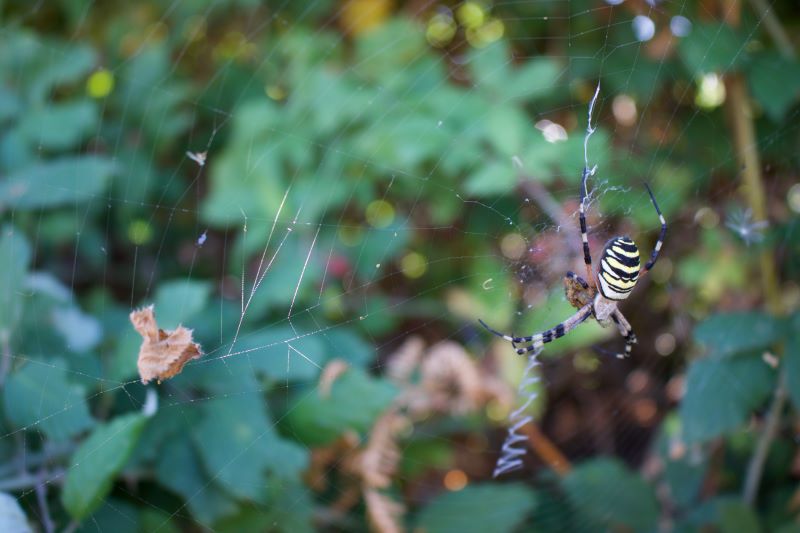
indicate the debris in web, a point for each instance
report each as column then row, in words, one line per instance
column 198, row 157
column 163, row 354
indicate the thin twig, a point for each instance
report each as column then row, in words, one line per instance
column 772, row 23
column 5, row 362
column 34, row 460
column 27, row 481
column 756, row 467
column 746, row 145
column 546, row 449
column 41, row 498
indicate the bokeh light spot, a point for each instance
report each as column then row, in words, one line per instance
column 100, row 83
column 275, row 92
column 680, row 26
column 471, row 15
column 140, row 232
column 513, row 246
column 486, row 34
column 710, row 91
column 414, row 265
column 455, row 480
column 793, row 197
column 624, row 109
column 351, row 235
column 665, row 343
column 643, row 28
column 380, row 214
column 441, row 30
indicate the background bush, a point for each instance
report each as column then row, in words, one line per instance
column 378, row 139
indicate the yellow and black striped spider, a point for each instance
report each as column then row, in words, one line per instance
column 617, row 275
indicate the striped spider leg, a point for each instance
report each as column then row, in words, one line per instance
column 547, row 335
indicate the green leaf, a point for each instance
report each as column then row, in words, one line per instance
column 728, row 334
column 775, row 83
column 712, row 48
column 15, row 256
column 115, row 515
column 12, row 517
column 379, row 246
column 180, row 470
column 606, row 491
column 478, row 508
column 64, row 181
column 791, row 362
column 495, row 178
column 507, row 128
column 179, row 300
column 537, row 78
column 59, row 126
column 239, row 446
column 684, row 473
column 341, row 343
column 80, row 331
column 354, row 402
column 727, row 514
column 721, row 394
column 272, row 352
column 39, row 396
column 98, row 460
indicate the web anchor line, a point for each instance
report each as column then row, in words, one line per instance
column 511, row 453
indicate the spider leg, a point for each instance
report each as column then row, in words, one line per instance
column 573, row 275
column 547, row 335
column 660, row 242
column 587, row 255
column 626, row 331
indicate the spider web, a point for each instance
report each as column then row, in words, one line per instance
column 289, row 235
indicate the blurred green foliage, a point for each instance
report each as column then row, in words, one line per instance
column 389, row 160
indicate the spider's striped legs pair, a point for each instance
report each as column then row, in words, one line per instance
column 626, row 331
column 547, row 335
column 660, row 241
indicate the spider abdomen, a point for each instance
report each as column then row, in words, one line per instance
column 619, row 268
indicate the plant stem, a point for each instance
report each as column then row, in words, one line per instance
column 546, row 449
column 41, row 498
column 756, row 467
column 746, row 144
column 774, row 27
column 27, row 481
column 5, row 362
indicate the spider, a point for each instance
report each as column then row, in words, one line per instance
column 617, row 275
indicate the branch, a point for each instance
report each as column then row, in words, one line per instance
column 756, row 466
column 774, row 27
column 27, row 481
column 41, row 498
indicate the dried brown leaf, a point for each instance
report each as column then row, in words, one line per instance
column 402, row 363
column 163, row 354
column 384, row 514
column 451, row 379
column 378, row 462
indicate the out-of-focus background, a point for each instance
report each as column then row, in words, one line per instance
column 330, row 194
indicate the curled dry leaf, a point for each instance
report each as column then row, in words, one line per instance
column 163, row 354
column 378, row 462
column 383, row 513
